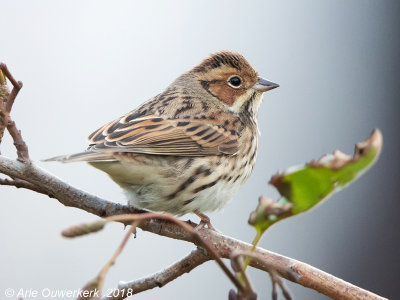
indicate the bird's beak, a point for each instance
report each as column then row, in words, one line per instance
column 263, row 85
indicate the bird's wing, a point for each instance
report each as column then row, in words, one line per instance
column 153, row 134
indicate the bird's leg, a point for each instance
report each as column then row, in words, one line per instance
column 204, row 220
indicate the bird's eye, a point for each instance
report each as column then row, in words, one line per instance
column 235, row 82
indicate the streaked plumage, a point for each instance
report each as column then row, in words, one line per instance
column 190, row 148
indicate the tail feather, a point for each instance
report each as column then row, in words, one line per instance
column 83, row 156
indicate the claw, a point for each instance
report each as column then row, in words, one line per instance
column 204, row 221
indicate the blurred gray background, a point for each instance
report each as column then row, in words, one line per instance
column 84, row 63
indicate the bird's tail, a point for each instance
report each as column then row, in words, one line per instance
column 88, row 156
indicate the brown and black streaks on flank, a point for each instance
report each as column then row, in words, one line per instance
column 200, row 172
column 253, row 156
column 182, row 187
column 186, row 202
column 206, row 186
column 237, row 177
column 188, row 163
column 207, row 172
column 244, row 164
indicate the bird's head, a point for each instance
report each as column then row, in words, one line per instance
column 230, row 78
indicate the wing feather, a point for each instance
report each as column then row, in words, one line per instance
column 153, row 134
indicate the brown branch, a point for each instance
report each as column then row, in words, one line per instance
column 19, row 143
column 16, row 85
column 4, row 92
column 160, row 279
column 6, row 103
column 18, row 183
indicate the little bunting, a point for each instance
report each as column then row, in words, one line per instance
column 190, row 148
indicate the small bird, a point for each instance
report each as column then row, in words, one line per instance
column 190, row 148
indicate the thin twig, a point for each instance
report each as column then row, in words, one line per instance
column 18, row 183
column 5, row 109
column 285, row 290
column 93, row 289
column 6, row 72
column 4, row 93
column 102, row 275
column 19, row 143
column 237, row 264
column 276, row 280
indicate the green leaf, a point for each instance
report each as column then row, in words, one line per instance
column 305, row 186
column 268, row 212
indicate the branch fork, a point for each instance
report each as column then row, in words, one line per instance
column 6, row 103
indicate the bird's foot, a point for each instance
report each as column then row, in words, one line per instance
column 204, row 221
